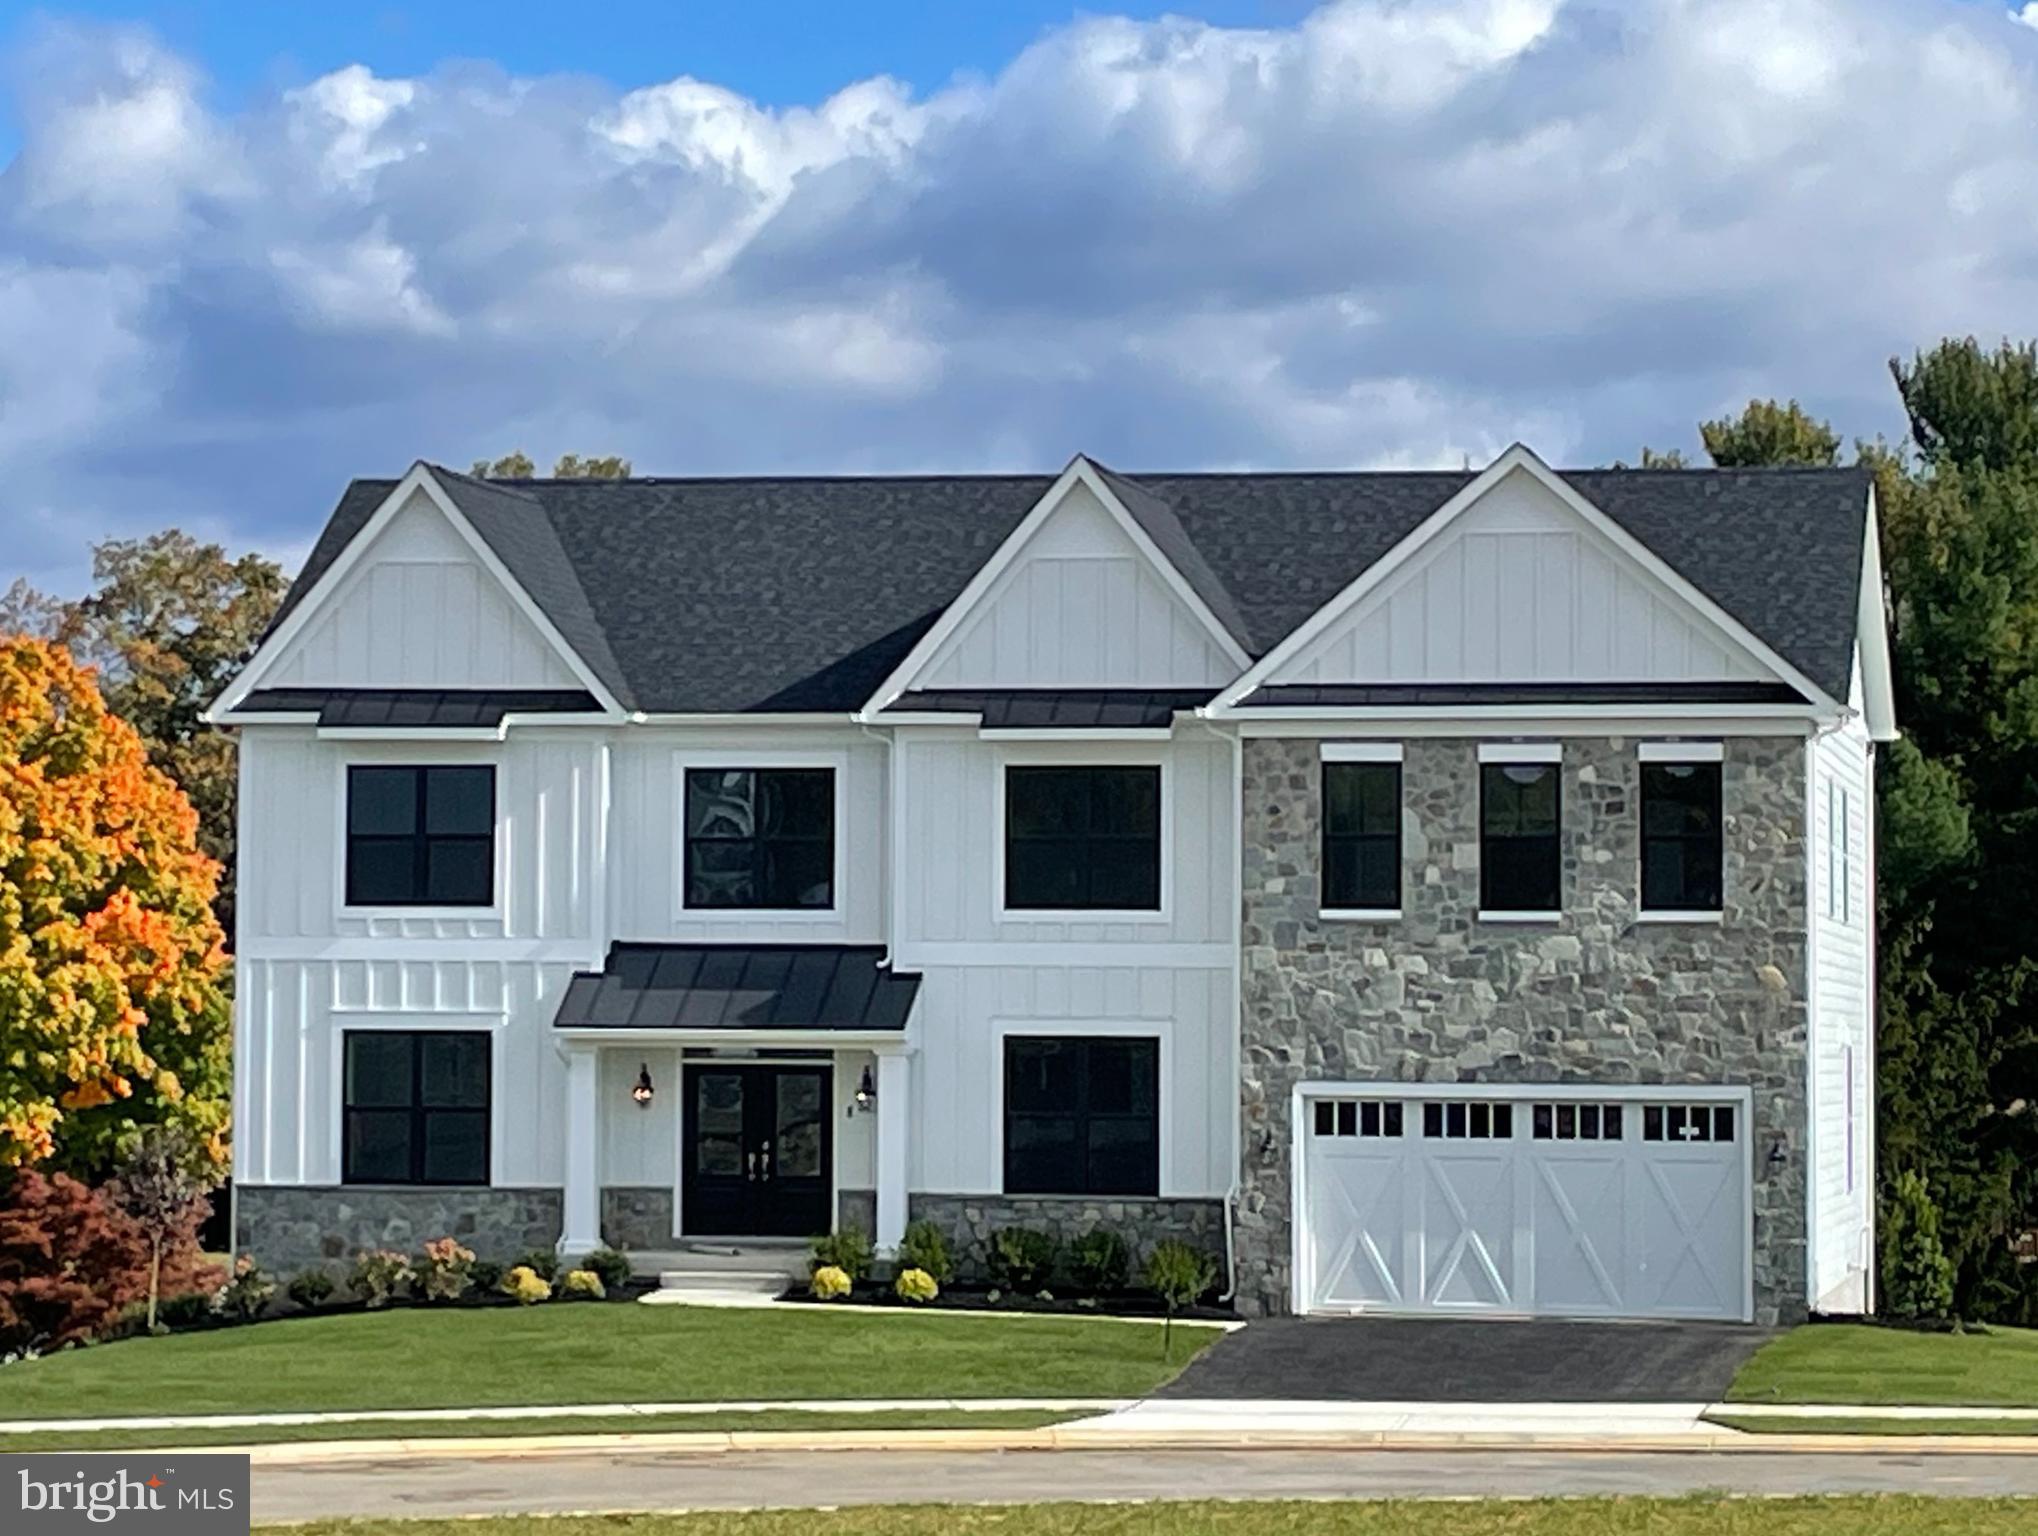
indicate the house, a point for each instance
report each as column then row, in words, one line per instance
column 1429, row 892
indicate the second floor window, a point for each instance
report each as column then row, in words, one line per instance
column 1681, row 837
column 760, row 838
column 1520, row 859
column 1361, row 836
column 420, row 837
column 1083, row 839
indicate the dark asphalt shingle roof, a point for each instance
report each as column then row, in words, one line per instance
column 740, row 986
column 735, row 595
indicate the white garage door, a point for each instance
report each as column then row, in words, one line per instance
column 1616, row 1206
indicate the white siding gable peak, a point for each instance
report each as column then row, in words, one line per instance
column 1520, row 578
column 507, row 639
column 1077, row 596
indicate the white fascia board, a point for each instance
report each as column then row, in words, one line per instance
column 1871, row 637
column 759, row 1039
column 1079, row 472
column 1517, row 457
column 242, row 717
column 1076, row 733
column 762, row 721
column 418, row 478
column 1535, row 720
column 412, row 732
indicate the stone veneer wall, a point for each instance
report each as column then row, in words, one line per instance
column 637, row 1216
column 291, row 1227
column 969, row 1220
column 857, row 1208
column 1591, row 998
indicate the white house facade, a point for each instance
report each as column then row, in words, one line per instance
column 1427, row 892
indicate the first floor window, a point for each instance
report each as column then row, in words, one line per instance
column 1520, row 860
column 415, row 1107
column 420, row 837
column 1082, row 1115
column 760, row 838
column 1362, row 836
column 1681, row 837
column 1083, row 839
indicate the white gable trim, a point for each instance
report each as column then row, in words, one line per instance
column 334, row 577
column 991, row 574
column 1871, row 639
column 1515, row 458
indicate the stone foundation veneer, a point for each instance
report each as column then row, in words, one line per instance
column 292, row 1227
column 1594, row 997
column 638, row 1217
column 969, row 1221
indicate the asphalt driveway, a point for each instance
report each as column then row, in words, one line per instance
column 1463, row 1360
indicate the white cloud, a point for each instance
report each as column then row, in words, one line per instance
column 2028, row 16
column 1393, row 232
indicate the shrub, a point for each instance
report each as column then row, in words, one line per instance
column 182, row 1309
column 1917, row 1276
column 583, row 1282
column 1022, row 1259
column 829, row 1282
column 1181, row 1275
column 310, row 1289
column 542, row 1262
column 247, row 1291
column 924, row 1247
column 485, row 1275
column 1098, row 1262
column 526, row 1286
column 847, row 1250
column 915, row 1285
column 71, row 1263
column 612, row 1265
column 378, row 1274
column 444, row 1270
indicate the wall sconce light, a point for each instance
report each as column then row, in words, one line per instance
column 643, row 1090
column 866, row 1094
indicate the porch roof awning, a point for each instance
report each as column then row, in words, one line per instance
column 789, row 987
column 1055, row 708
column 1450, row 695
column 420, row 707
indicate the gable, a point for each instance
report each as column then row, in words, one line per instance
column 1080, row 605
column 418, row 609
column 1518, row 587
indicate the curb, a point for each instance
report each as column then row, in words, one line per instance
column 1077, row 1437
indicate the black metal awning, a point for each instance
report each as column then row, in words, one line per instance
column 740, row 986
column 1449, row 695
column 420, row 707
column 1055, row 709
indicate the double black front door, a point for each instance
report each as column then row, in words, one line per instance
column 758, row 1145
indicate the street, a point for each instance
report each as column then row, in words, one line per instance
column 768, row 1479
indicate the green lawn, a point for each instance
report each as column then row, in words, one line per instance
column 1756, row 1424
column 593, row 1354
column 594, row 1424
column 1568, row 1517
column 1850, row 1363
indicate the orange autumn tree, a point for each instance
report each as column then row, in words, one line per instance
column 114, row 1008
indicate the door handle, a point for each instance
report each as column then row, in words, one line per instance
column 764, row 1156
column 750, row 1166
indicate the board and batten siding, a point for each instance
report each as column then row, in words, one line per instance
column 1519, row 588
column 1842, row 1066
column 1080, row 606
column 419, row 610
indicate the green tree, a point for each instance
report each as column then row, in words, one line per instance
column 568, row 466
column 511, row 466
column 1766, row 433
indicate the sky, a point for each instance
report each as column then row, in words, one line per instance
column 248, row 251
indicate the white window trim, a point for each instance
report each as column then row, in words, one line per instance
column 1159, row 1031
column 495, row 1025
column 436, row 755
column 684, row 758
column 1554, row 916
column 1044, row 756
column 1679, row 915
column 1674, row 752
column 1521, row 752
column 1362, row 751
column 1681, row 752
column 1359, row 914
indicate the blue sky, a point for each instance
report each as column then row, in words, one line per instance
column 249, row 251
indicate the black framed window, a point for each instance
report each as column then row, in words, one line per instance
column 1520, row 863
column 760, row 837
column 1362, row 836
column 1082, row 1115
column 420, row 837
column 415, row 1107
column 1682, row 837
column 1083, row 839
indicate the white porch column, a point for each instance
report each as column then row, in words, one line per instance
column 581, row 1233
column 894, row 1112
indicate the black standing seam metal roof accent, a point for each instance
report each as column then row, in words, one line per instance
column 773, row 595
column 1055, row 708
column 420, row 707
column 1431, row 695
column 740, row 986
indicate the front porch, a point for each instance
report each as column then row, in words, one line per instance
column 725, row 1094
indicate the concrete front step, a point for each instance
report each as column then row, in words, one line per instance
column 783, row 1260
